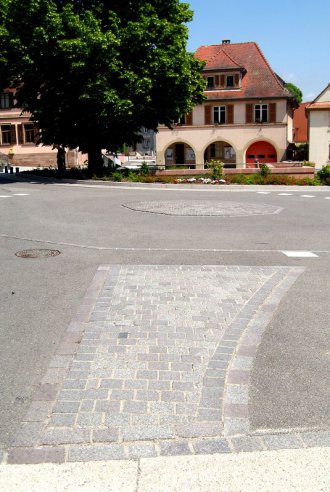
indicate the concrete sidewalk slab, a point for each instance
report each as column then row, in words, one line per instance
column 285, row 470
column 105, row 476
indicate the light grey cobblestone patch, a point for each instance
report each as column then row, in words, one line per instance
column 177, row 382
column 203, row 208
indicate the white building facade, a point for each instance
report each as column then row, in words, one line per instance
column 319, row 128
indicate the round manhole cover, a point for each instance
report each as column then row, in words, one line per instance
column 203, row 208
column 37, row 253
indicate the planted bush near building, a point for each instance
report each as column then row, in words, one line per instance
column 324, row 174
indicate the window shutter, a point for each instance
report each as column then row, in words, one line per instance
column 222, row 80
column 20, row 134
column 230, row 114
column 207, row 115
column 249, row 113
column 189, row 120
column 236, row 83
column 272, row 113
column 12, row 134
column 217, row 81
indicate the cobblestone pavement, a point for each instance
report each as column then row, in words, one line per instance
column 157, row 362
column 203, row 208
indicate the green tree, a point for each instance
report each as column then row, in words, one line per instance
column 295, row 91
column 92, row 73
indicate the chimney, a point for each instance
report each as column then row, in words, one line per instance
column 226, row 41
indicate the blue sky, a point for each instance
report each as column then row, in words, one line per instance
column 293, row 35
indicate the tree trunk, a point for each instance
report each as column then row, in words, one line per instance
column 95, row 162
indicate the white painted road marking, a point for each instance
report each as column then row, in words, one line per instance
column 263, row 192
column 300, row 254
column 307, row 196
column 21, row 194
column 284, row 194
column 5, row 196
column 119, row 248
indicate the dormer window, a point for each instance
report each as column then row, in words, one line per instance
column 222, row 81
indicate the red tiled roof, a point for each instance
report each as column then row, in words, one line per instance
column 319, row 105
column 259, row 79
column 222, row 59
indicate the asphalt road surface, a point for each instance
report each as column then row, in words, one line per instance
column 97, row 224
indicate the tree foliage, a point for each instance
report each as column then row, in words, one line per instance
column 295, row 91
column 92, row 73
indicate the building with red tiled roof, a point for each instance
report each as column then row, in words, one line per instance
column 246, row 117
column 18, row 138
column 318, row 113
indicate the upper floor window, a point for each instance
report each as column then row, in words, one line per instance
column 4, row 100
column 6, row 134
column 210, row 82
column 29, row 133
column 230, row 81
column 219, row 114
column 146, row 143
column 261, row 113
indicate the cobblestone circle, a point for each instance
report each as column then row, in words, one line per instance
column 157, row 362
column 203, row 208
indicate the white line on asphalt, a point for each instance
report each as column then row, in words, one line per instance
column 21, row 194
column 300, row 254
column 114, row 248
column 284, row 194
column 5, row 196
column 263, row 192
column 327, row 197
column 307, row 196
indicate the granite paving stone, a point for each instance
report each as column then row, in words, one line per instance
column 161, row 353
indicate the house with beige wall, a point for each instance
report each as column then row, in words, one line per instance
column 246, row 117
column 318, row 113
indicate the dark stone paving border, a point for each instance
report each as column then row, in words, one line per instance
column 147, row 449
column 249, row 328
column 244, row 334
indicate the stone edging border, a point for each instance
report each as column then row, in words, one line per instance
column 262, row 307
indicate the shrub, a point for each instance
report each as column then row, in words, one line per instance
column 324, row 174
column 236, row 178
column 216, row 169
column 264, row 170
column 144, row 169
column 308, row 164
column 117, row 176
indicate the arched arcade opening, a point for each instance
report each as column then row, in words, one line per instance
column 220, row 151
column 262, row 152
column 179, row 153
